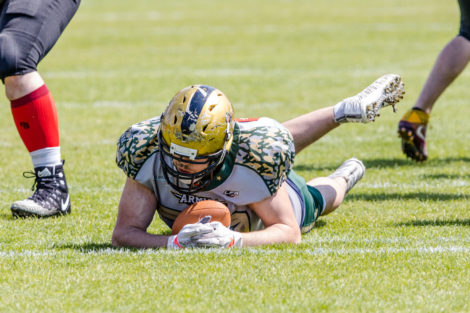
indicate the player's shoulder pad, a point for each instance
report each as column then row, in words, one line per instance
column 267, row 147
column 136, row 145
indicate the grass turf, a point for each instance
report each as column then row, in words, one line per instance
column 399, row 243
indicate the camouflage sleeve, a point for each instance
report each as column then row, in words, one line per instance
column 268, row 150
column 136, row 145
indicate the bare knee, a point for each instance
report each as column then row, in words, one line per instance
column 20, row 85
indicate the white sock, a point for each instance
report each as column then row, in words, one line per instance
column 339, row 112
column 46, row 157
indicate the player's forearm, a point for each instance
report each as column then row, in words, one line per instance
column 277, row 233
column 136, row 238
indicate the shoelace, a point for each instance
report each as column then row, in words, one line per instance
column 40, row 184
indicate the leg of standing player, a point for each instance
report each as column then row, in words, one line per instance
column 451, row 61
column 28, row 30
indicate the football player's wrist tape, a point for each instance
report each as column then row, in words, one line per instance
column 237, row 240
column 173, row 243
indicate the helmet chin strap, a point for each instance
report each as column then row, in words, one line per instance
column 228, row 135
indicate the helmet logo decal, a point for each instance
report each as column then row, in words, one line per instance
column 183, row 151
column 231, row 193
column 194, row 108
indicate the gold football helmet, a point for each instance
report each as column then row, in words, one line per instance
column 196, row 128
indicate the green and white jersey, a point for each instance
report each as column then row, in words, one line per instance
column 259, row 161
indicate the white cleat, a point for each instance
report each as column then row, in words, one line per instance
column 365, row 106
column 351, row 170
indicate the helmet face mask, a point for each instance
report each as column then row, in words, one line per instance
column 187, row 182
column 196, row 129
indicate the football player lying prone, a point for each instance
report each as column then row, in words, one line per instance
column 197, row 151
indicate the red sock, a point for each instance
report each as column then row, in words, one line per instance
column 35, row 117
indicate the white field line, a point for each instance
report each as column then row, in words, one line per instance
column 388, row 241
column 247, row 251
column 109, row 104
column 407, row 187
column 76, row 188
column 219, row 72
column 432, row 184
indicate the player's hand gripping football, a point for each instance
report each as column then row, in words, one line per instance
column 219, row 237
column 189, row 234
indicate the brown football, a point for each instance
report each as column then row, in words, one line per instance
column 195, row 212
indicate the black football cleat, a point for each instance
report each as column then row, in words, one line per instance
column 51, row 196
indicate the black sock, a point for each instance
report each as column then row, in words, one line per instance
column 419, row 109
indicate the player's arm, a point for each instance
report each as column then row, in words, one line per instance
column 136, row 212
column 277, row 215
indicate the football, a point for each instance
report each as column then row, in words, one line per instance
column 195, row 212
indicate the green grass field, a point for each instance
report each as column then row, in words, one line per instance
column 399, row 243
